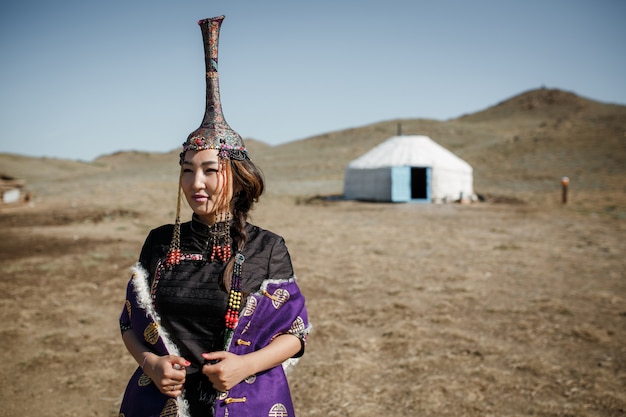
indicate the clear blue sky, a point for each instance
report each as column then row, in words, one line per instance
column 79, row 79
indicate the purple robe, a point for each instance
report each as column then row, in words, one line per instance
column 277, row 308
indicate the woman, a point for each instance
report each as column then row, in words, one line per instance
column 213, row 309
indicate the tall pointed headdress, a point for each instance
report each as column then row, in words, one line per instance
column 214, row 132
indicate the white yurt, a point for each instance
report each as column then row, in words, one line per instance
column 409, row 169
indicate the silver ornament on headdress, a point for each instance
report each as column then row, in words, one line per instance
column 214, row 132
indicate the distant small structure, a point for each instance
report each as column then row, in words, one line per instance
column 13, row 191
column 409, row 169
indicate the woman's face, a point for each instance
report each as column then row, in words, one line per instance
column 203, row 179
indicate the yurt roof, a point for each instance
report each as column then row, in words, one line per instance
column 414, row 150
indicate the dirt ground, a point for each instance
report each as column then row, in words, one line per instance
column 418, row 310
column 511, row 307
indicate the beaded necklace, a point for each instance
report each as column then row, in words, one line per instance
column 234, row 299
column 219, row 238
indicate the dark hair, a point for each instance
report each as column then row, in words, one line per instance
column 248, row 185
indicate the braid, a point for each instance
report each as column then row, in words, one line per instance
column 248, row 179
column 240, row 235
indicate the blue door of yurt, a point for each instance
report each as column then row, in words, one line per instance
column 410, row 184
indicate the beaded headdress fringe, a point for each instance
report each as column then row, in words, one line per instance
column 173, row 254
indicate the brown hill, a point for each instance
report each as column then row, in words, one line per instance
column 519, row 149
column 528, row 142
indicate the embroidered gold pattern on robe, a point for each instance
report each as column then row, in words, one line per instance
column 170, row 409
column 279, row 298
column 144, row 380
column 278, row 410
column 151, row 333
column 298, row 326
column 250, row 307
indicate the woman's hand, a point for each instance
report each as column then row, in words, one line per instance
column 225, row 369
column 166, row 372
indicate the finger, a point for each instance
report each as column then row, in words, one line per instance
column 179, row 363
column 214, row 357
column 177, row 371
column 173, row 390
column 182, row 362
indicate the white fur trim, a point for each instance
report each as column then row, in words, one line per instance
column 144, row 300
column 183, row 406
column 140, row 285
column 267, row 282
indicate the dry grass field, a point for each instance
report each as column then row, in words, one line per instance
column 515, row 306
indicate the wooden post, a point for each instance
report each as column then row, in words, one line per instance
column 564, row 184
